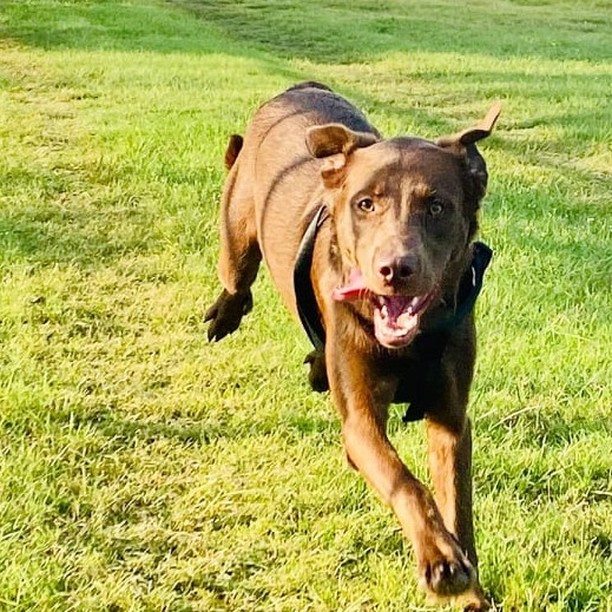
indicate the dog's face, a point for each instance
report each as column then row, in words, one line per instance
column 401, row 215
column 404, row 212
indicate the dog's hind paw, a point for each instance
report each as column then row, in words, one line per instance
column 226, row 313
column 317, row 376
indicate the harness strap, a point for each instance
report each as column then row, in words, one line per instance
column 469, row 288
column 304, row 293
column 308, row 310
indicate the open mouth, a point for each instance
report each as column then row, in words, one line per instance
column 396, row 317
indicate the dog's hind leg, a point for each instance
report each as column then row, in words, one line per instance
column 317, row 376
column 239, row 258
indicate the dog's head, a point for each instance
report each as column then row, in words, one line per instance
column 405, row 212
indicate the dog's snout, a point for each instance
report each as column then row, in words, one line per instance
column 405, row 267
column 396, row 269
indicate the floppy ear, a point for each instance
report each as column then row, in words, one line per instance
column 334, row 143
column 464, row 142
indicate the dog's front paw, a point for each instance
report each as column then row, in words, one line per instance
column 444, row 571
column 226, row 313
column 447, row 577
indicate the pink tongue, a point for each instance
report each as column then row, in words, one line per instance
column 353, row 290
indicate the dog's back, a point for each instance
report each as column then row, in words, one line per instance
column 279, row 177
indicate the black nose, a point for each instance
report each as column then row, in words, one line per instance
column 396, row 268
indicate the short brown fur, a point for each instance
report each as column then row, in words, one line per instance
column 308, row 147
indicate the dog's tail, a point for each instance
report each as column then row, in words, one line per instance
column 233, row 148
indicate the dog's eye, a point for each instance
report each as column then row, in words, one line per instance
column 436, row 208
column 366, row 204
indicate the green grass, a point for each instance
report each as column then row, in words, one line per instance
column 144, row 469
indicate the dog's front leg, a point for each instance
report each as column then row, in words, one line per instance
column 362, row 399
column 450, row 450
column 450, row 463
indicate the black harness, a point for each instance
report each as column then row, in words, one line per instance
column 469, row 289
column 302, row 285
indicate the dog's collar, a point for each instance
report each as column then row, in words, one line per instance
column 308, row 310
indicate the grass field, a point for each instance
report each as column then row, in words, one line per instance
column 144, row 469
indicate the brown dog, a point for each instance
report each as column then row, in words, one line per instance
column 375, row 238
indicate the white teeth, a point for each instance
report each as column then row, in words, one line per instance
column 408, row 321
column 417, row 302
column 394, row 329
